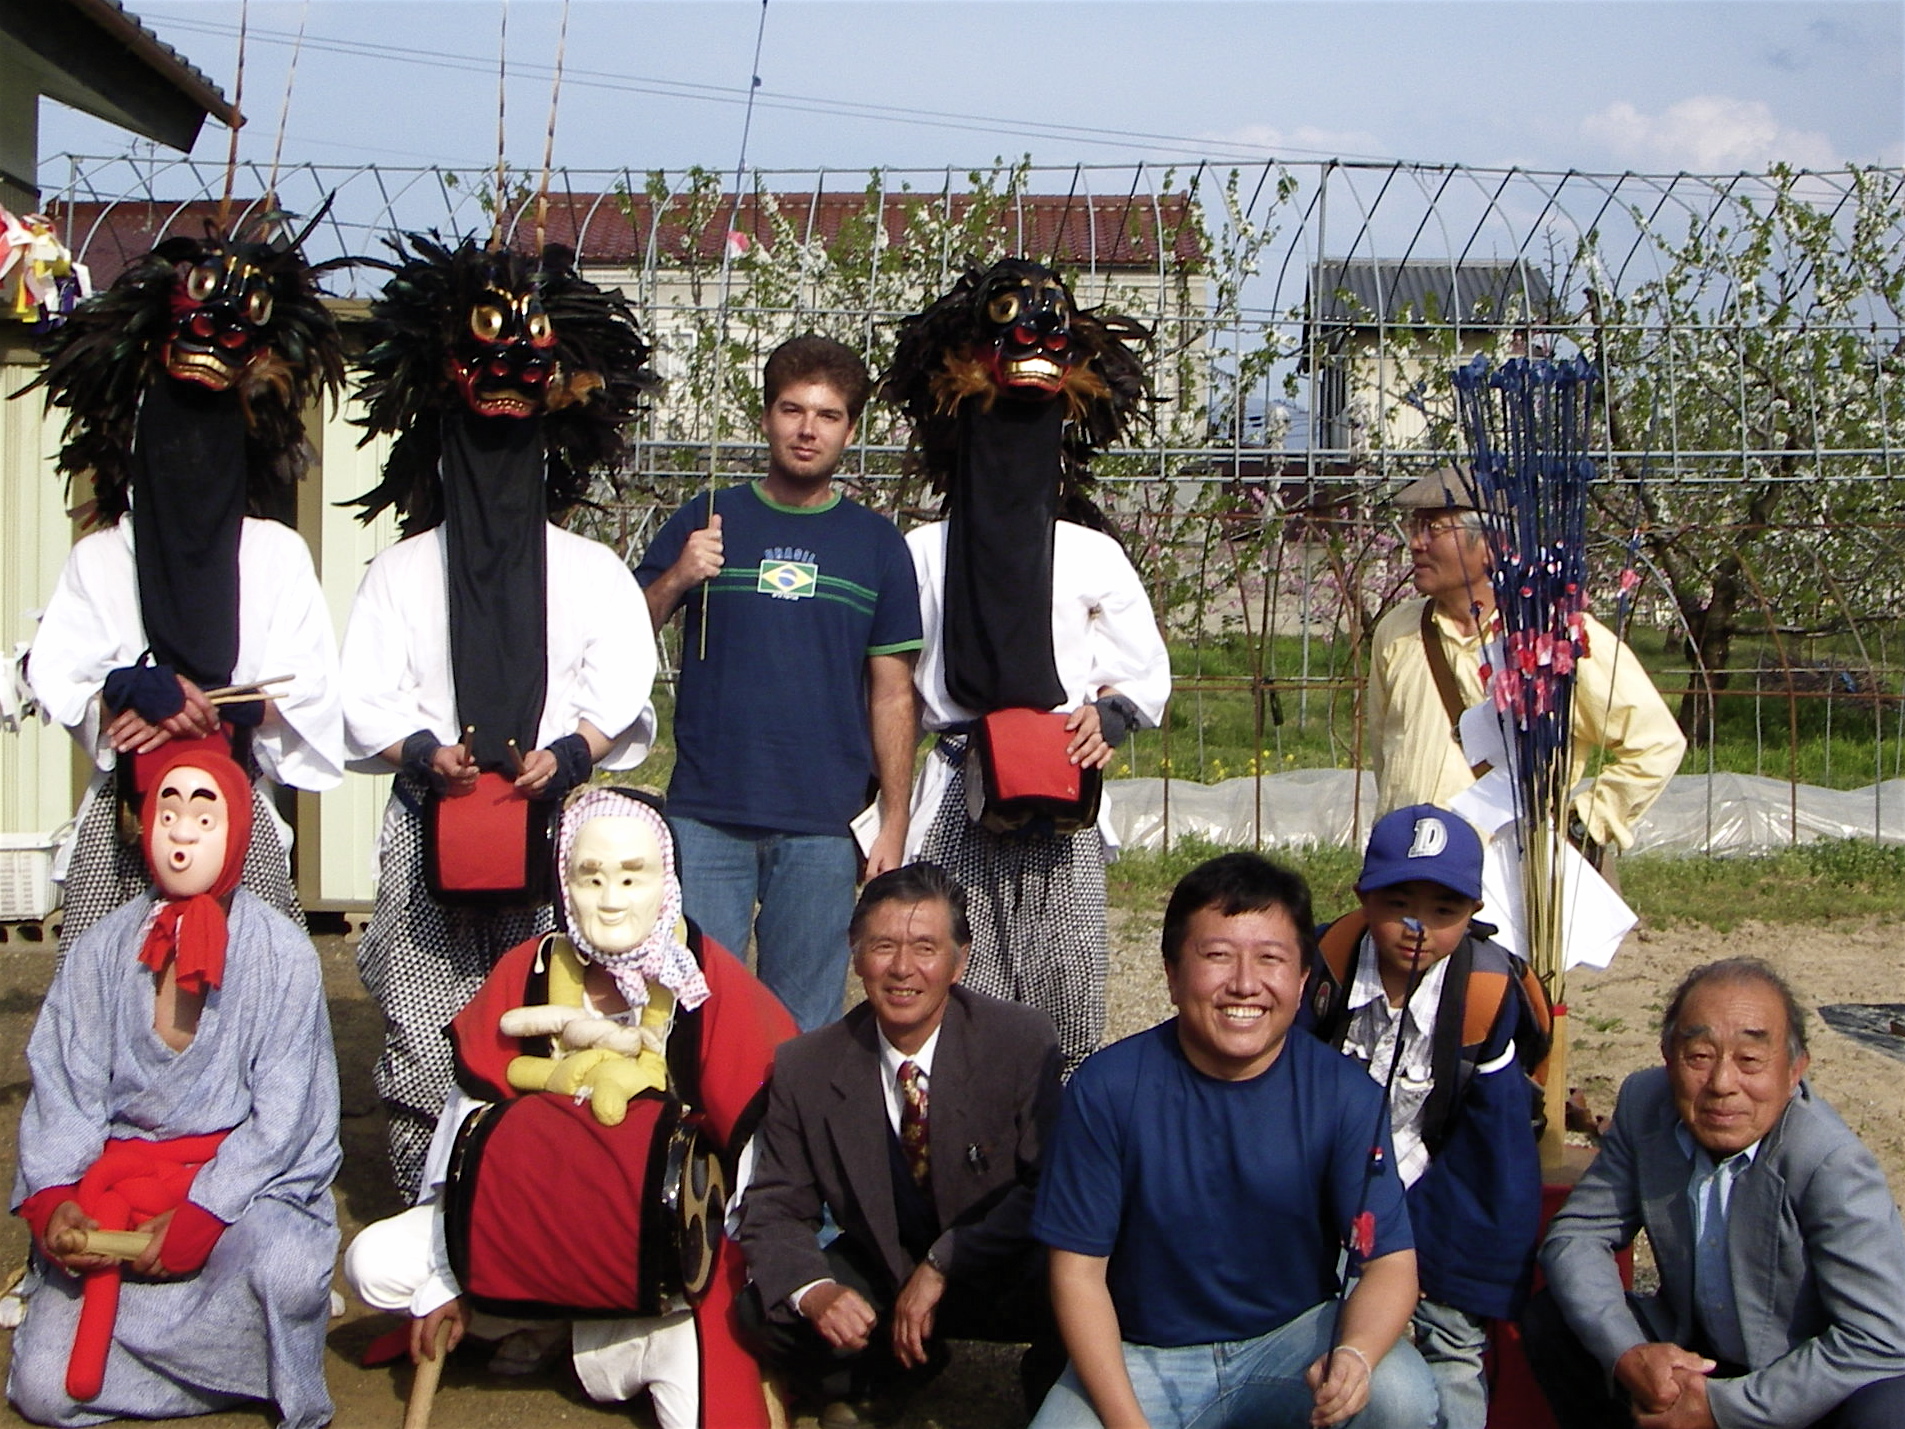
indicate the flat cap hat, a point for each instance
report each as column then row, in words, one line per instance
column 1444, row 489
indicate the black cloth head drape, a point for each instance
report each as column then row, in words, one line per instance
column 1003, row 504
column 188, row 511
column 496, row 554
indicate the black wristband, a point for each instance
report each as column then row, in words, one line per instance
column 1117, row 717
column 153, row 690
column 574, row 764
column 419, row 754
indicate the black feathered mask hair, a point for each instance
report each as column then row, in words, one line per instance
column 223, row 313
column 504, row 335
column 1013, row 330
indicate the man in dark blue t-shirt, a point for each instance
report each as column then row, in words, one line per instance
column 795, row 689
column 1203, row 1179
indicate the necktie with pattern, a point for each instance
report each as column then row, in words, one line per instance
column 913, row 1140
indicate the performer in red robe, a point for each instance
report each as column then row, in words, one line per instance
column 633, row 1053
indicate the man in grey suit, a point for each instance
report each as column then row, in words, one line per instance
column 916, row 1123
column 1781, row 1256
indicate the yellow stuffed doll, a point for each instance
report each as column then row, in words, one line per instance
column 599, row 1058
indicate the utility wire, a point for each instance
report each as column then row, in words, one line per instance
column 612, row 81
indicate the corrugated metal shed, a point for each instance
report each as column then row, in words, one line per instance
column 1362, row 292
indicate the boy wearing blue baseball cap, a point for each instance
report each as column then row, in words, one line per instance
column 1411, row 986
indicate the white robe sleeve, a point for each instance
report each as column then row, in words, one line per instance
column 1127, row 652
column 90, row 628
column 615, row 674
column 303, row 745
column 383, row 698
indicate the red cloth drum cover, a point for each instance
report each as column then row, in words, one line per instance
column 1024, row 774
column 551, row 1214
column 488, row 846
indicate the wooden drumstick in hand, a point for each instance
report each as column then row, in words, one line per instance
column 423, row 1385
column 120, row 1245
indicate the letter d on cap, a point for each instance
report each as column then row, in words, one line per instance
column 1430, row 839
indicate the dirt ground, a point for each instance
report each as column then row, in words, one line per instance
column 1613, row 1018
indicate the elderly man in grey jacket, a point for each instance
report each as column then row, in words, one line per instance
column 1781, row 1255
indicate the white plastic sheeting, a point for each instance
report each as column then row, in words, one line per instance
column 1697, row 813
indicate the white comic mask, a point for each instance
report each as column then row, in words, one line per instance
column 615, row 883
column 187, row 845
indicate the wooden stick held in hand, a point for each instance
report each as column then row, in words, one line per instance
column 120, row 1245
column 249, row 690
column 423, row 1386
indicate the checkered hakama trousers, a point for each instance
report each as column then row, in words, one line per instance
column 422, row 960
column 107, row 873
column 1036, row 902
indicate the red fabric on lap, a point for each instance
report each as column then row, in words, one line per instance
column 37, row 1209
column 189, row 1239
column 131, row 1180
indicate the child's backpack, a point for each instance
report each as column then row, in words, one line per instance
column 1472, row 1000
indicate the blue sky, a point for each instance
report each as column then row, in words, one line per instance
column 1654, row 85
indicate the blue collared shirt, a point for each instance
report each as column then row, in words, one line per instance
column 1709, row 1199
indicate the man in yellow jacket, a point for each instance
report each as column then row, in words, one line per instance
column 1425, row 668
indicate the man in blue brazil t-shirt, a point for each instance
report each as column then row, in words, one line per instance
column 796, row 685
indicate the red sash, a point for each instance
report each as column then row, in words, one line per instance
column 132, row 1181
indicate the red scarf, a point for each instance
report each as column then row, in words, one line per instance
column 192, row 930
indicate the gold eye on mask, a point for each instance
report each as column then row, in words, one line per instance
column 202, row 282
column 1004, row 308
column 258, row 306
column 486, row 323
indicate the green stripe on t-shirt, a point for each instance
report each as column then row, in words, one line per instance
column 745, row 580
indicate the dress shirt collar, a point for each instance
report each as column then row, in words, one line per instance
column 1367, row 987
column 890, row 1060
column 1703, row 1163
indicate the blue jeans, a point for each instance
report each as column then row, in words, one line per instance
column 804, row 884
column 1250, row 1384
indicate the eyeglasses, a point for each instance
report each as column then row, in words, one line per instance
column 1429, row 527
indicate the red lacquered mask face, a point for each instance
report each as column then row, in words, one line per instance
column 506, row 355
column 221, row 307
column 1027, row 314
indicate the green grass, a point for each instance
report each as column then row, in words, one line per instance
column 1141, row 880
column 1815, row 883
column 1310, row 724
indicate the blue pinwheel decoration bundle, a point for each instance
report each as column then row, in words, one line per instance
column 1529, row 425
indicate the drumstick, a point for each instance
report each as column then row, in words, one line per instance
column 120, row 1245
column 515, row 760
column 423, row 1386
column 241, row 697
column 247, row 689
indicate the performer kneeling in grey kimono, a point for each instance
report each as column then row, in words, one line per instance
column 185, row 1097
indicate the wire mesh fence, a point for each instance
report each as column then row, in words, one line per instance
column 1750, row 332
